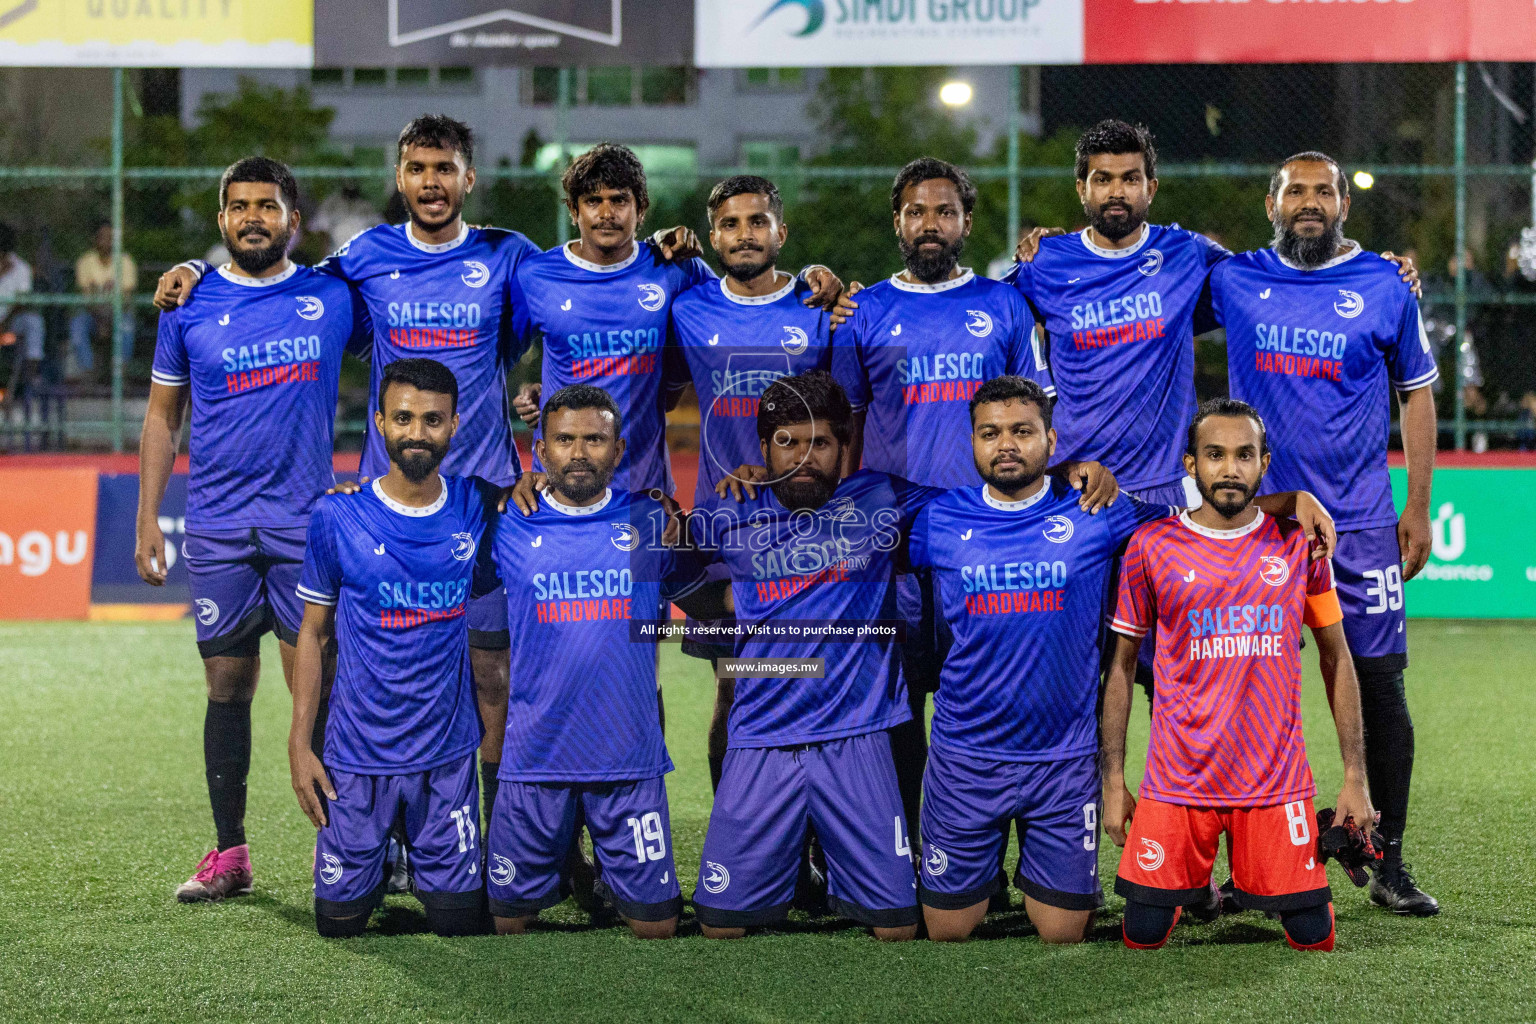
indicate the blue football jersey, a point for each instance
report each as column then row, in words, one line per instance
column 735, row 346
column 262, row 360
column 400, row 579
column 1318, row 354
column 1023, row 586
column 1121, row 329
column 834, row 567
column 608, row 326
column 452, row 303
column 912, row 355
column 583, row 585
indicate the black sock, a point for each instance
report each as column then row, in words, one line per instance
column 489, row 784
column 1388, row 751
column 317, row 735
column 1308, row 927
column 1148, row 926
column 227, row 763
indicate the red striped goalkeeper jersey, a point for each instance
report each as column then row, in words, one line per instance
column 1228, row 607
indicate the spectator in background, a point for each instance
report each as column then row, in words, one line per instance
column 93, row 324
column 343, row 216
column 21, row 329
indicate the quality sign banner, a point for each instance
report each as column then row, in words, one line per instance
column 858, row 33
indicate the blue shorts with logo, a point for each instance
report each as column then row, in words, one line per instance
column 846, row 790
column 488, row 621
column 533, row 824
column 968, row 805
column 441, row 808
column 244, row 582
column 1368, row 570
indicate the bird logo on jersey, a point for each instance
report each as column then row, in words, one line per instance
column 625, row 537
column 794, row 341
column 502, row 870
column 463, row 546
column 1151, row 263
column 980, row 324
column 652, row 296
column 716, row 877
column 1057, row 529
column 477, row 275
column 207, row 611
column 937, row 862
column 1151, row 858
column 839, row 510
column 1349, row 305
column 1274, row 571
column 310, row 308
column 331, row 872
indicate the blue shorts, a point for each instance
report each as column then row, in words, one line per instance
column 442, row 815
column 488, row 621
column 845, row 789
column 533, row 823
column 1368, row 569
column 244, row 582
column 968, row 804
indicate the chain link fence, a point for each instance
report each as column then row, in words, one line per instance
column 1220, row 132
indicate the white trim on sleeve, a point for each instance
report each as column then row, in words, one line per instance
column 167, row 380
column 1124, row 628
column 315, row 597
column 1422, row 380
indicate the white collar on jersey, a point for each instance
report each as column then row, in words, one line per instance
column 257, row 282
column 966, row 276
column 1206, row 531
column 415, row 512
column 1354, row 249
column 601, row 268
column 758, row 300
column 452, row 243
column 1117, row 254
column 1022, row 503
column 577, row 510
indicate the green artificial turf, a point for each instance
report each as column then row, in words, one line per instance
column 103, row 811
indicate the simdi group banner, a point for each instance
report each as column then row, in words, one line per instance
column 856, row 33
column 156, row 33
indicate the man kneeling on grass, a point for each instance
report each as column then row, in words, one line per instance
column 389, row 570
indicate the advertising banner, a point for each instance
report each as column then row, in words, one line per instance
column 1285, row 31
column 386, row 33
column 115, row 579
column 156, row 33
column 853, row 33
column 47, row 523
column 1483, row 562
column 857, row 33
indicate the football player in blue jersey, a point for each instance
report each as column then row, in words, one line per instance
column 760, row 324
column 1319, row 334
column 808, row 748
column 389, row 573
column 258, row 357
column 913, row 352
column 586, row 571
column 601, row 307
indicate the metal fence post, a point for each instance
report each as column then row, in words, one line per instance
column 117, row 259
column 1461, row 248
column 562, row 107
column 1015, row 97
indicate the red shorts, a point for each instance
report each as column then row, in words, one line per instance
column 1272, row 852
